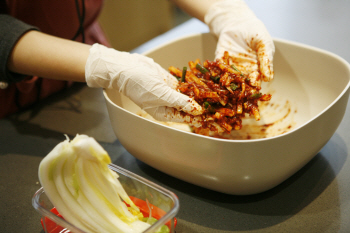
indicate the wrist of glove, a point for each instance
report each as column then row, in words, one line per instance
column 244, row 36
column 141, row 79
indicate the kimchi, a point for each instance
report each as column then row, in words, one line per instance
column 226, row 94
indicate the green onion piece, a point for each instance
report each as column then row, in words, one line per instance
column 255, row 96
column 183, row 74
column 235, row 68
column 247, row 79
column 215, row 79
column 233, row 86
column 210, row 108
column 201, row 68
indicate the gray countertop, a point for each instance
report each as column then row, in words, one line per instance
column 315, row 199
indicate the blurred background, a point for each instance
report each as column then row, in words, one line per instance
column 131, row 23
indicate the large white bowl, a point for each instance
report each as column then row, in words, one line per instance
column 311, row 89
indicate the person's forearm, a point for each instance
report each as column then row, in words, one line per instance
column 195, row 8
column 47, row 56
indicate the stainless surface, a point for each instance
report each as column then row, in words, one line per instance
column 316, row 199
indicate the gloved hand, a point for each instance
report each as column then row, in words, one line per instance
column 142, row 80
column 244, row 36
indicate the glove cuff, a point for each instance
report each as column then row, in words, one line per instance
column 95, row 74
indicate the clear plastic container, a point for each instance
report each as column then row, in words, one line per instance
column 135, row 186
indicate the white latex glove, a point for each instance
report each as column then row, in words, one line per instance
column 141, row 79
column 244, row 36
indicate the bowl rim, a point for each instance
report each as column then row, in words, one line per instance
column 279, row 40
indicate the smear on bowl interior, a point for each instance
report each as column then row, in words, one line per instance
column 277, row 117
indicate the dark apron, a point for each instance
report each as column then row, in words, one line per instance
column 63, row 18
